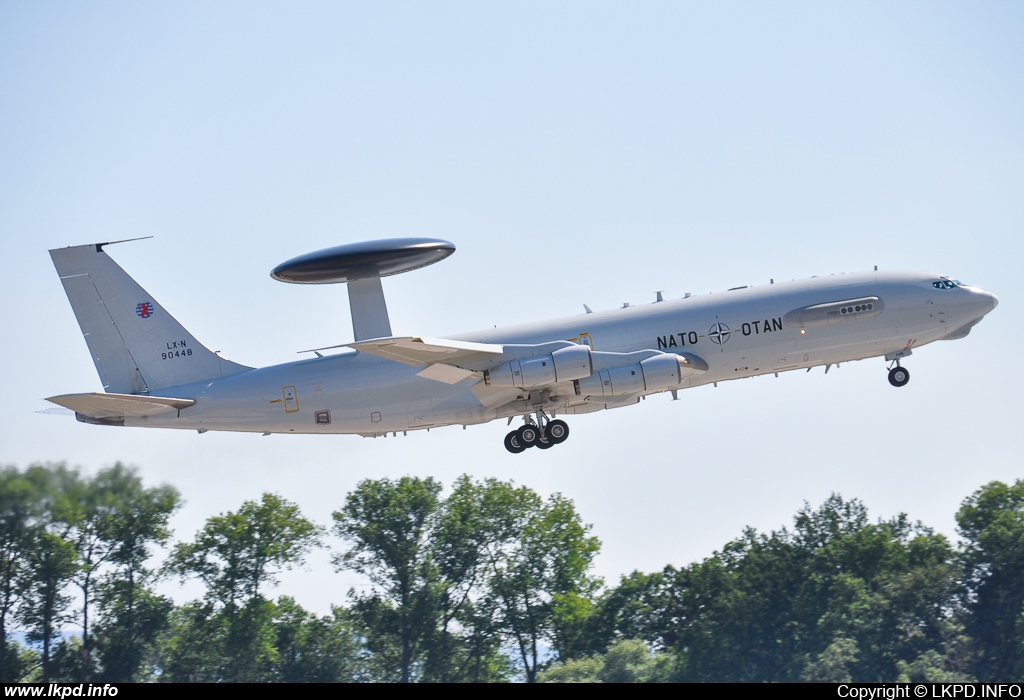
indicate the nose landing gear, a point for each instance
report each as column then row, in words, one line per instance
column 545, row 433
column 899, row 376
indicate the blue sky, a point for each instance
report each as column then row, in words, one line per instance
column 575, row 153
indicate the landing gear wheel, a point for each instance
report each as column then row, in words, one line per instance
column 512, row 443
column 899, row 376
column 544, row 443
column 557, row 431
column 528, row 435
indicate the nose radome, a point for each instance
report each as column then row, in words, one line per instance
column 991, row 300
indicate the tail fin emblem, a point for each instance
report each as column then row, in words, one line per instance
column 144, row 309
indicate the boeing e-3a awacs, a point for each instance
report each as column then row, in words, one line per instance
column 155, row 374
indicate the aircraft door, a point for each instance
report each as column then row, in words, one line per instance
column 291, row 399
column 583, row 339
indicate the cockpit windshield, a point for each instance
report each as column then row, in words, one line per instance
column 946, row 283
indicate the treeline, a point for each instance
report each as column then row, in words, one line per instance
column 492, row 582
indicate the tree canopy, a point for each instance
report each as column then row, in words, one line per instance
column 490, row 581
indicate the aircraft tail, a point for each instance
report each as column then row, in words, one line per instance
column 137, row 346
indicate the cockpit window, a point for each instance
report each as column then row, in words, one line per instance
column 945, row 283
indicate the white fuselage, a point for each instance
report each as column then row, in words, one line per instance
column 738, row 333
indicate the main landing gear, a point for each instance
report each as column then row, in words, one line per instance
column 899, row 376
column 544, row 434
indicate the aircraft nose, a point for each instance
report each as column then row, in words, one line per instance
column 986, row 300
column 992, row 299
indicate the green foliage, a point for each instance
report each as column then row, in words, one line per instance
column 930, row 666
column 57, row 527
column 207, row 644
column 24, row 663
column 626, row 661
column 48, row 561
column 536, row 554
column 20, row 515
column 112, row 521
column 315, row 649
column 424, row 619
column 66, row 660
column 131, row 619
column 833, row 664
column 50, row 565
column 388, row 526
column 492, row 583
column 640, row 607
column 454, row 578
column 837, row 597
column 466, row 643
column 632, row 661
column 236, row 554
column 991, row 522
column 191, row 647
column 584, row 670
column 261, row 642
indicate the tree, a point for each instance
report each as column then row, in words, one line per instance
column 833, row 664
column 51, row 564
column 132, row 616
column 454, row 578
column 640, row 607
column 192, row 647
column 112, row 520
column 237, row 555
column 19, row 506
column 836, row 597
column 626, row 661
column 131, row 613
column 50, row 561
column 388, row 525
column 991, row 522
column 315, row 649
column 468, row 638
column 536, row 553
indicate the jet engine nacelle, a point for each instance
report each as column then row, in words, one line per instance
column 656, row 373
column 563, row 365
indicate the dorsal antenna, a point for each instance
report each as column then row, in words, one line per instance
column 361, row 266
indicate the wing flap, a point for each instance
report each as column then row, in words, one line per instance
column 444, row 373
column 105, row 406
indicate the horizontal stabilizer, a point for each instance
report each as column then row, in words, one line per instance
column 423, row 351
column 118, row 406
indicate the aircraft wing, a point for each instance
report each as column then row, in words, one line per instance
column 117, row 406
column 418, row 351
column 450, row 361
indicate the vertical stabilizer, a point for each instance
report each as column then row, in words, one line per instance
column 137, row 346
